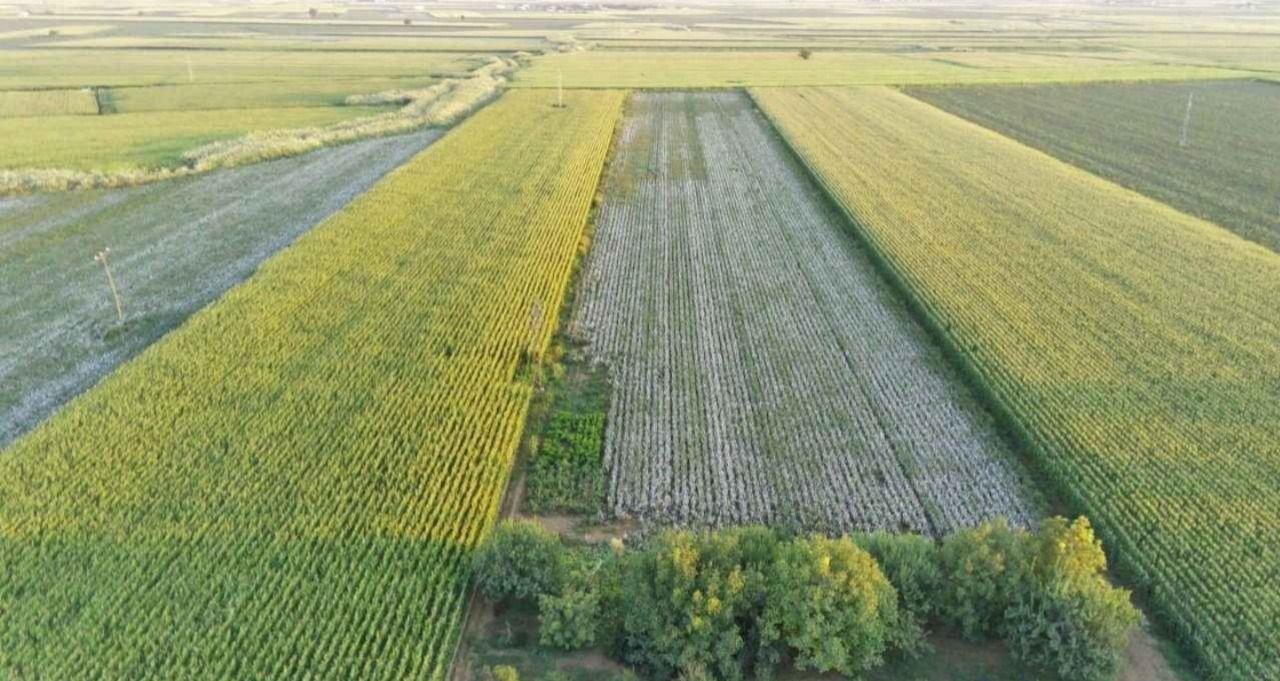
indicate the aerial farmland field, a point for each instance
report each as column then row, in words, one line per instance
column 286, row 464
column 1134, row 382
column 650, row 340
column 61, row 338
column 144, row 140
column 1206, row 148
column 21, row 103
column 762, row 371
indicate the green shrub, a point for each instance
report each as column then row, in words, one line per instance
column 983, row 570
column 830, row 603
column 565, row 486
column 574, row 437
column 614, row 600
column 520, row 562
column 696, row 672
column 568, row 621
column 504, row 673
column 571, row 618
column 567, row 474
column 910, row 562
column 684, row 598
column 730, row 604
column 1068, row 618
column 626, row 675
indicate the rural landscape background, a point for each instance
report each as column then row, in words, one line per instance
column 643, row 339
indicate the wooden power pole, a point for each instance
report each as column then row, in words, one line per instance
column 111, row 281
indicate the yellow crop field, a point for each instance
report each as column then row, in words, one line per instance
column 716, row 69
column 289, row 485
column 31, row 103
column 1135, row 349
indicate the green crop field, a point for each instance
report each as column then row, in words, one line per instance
column 1223, row 170
column 1135, row 348
column 290, row 483
column 144, row 140
column 217, row 96
column 167, row 103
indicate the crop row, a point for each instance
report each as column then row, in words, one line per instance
column 761, row 371
column 1206, row 148
column 32, row 103
column 288, row 486
column 1134, row 348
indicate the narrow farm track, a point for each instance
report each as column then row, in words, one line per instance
column 175, row 247
column 289, row 485
column 1135, row 348
column 761, row 371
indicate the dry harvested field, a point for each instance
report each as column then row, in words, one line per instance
column 761, row 370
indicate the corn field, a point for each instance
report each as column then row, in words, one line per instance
column 761, row 370
column 1135, row 349
column 288, row 485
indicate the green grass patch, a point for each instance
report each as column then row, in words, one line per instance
column 220, row 96
column 144, row 140
column 566, row 473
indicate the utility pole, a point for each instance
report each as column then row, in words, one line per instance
column 111, row 281
column 1186, row 118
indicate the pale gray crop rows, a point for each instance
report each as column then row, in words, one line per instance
column 175, row 246
column 761, row 369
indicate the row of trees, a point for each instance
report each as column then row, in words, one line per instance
column 736, row 603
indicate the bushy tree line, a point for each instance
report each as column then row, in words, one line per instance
column 733, row 604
